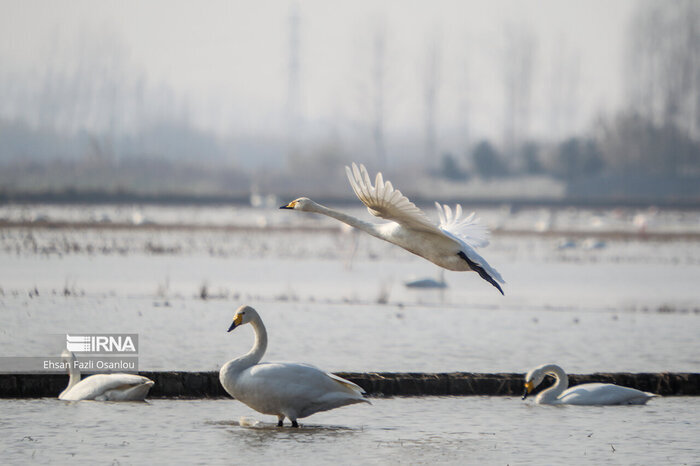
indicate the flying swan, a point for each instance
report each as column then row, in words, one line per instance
column 282, row 389
column 584, row 394
column 450, row 245
column 103, row 387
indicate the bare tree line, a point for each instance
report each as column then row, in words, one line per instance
column 663, row 64
column 658, row 130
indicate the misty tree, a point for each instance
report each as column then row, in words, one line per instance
column 531, row 163
column 518, row 70
column 487, row 162
column 562, row 92
column 449, row 168
column 631, row 143
column 659, row 132
column 577, row 158
column 465, row 97
column 663, row 64
column 88, row 100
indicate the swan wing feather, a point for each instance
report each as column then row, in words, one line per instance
column 96, row 386
column 305, row 376
column 467, row 228
column 603, row 394
column 293, row 389
column 383, row 200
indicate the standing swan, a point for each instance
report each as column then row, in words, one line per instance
column 450, row 245
column 584, row 394
column 282, row 389
column 103, row 387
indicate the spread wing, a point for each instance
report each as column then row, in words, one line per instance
column 468, row 228
column 382, row 200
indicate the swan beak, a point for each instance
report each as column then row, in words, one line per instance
column 289, row 206
column 236, row 322
column 529, row 386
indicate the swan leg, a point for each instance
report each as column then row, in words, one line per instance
column 480, row 270
column 280, row 420
column 294, row 423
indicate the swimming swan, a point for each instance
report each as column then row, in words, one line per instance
column 282, row 389
column 103, row 387
column 450, row 245
column 584, row 394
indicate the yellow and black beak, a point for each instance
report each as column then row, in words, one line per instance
column 291, row 205
column 529, row 387
column 236, row 322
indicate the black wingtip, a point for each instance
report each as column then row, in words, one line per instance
column 488, row 278
column 498, row 287
column 480, row 270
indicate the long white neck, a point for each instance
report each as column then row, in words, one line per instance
column 368, row 227
column 73, row 372
column 561, row 383
column 255, row 354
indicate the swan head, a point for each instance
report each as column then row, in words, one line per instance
column 532, row 380
column 303, row 204
column 243, row 315
column 67, row 355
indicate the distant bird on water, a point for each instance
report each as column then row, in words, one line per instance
column 450, row 245
column 428, row 283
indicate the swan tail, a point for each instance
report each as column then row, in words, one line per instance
column 481, row 271
column 346, row 383
column 355, row 390
column 136, row 392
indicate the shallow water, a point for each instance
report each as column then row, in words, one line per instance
column 504, row 217
column 471, row 430
column 191, row 335
column 338, row 300
column 630, row 306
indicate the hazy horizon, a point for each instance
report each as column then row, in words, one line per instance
column 225, row 67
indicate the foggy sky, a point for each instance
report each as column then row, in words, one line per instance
column 227, row 63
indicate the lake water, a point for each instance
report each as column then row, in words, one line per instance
column 338, row 300
column 464, row 430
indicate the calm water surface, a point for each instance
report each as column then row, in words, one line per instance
column 190, row 334
column 338, row 300
column 466, row 430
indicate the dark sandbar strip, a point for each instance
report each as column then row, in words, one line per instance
column 206, row 384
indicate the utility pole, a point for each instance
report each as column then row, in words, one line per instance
column 293, row 84
column 431, row 86
column 378, row 75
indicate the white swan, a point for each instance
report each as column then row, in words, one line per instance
column 282, row 389
column 450, row 245
column 584, row 394
column 103, row 387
